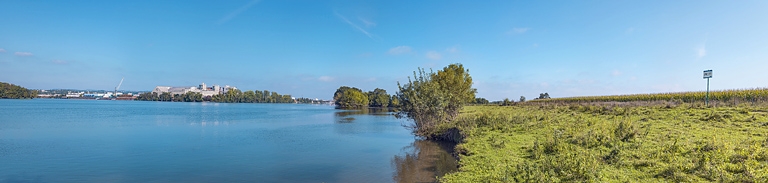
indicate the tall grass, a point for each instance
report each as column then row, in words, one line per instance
column 757, row 95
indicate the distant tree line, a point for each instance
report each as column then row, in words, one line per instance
column 481, row 101
column 232, row 96
column 507, row 101
column 11, row 91
column 351, row 98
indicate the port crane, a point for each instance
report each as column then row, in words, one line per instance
column 118, row 87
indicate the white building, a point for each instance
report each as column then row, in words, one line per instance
column 74, row 95
column 202, row 89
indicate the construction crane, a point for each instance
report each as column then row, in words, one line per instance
column 118, row 87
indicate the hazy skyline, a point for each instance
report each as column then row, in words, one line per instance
column 310, row 48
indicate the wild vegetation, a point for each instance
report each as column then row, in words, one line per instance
column 432, row 99
column 354, row 98
column 723, row 97
column 232, row 96
column 350, row 97
column 481, row 101
column 610, row 143
column 11, row 91
column 590, row 139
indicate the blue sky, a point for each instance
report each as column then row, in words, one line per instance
column 310, row 48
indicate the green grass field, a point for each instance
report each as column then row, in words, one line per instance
column 723, row 97
column 574, row 143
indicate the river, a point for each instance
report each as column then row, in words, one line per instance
column 59, row 140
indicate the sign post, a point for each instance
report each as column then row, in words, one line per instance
column 707, row 75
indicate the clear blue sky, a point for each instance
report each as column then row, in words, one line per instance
column 310, row 48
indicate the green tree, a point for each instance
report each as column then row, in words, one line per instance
column 11, row 91
column 378, row 98
column 394, row 101
column 543, row 96
column 455, row 81
column 249, row 97
column 481, row 101
column 434, row 98
column 192, row 97
column 522, row 99
column 149, row 96
column 177, row 98
column 346, row 97
column 233, row 96
column 339, row 92
column 266, row 96
column 273, row 97
column 287, row 99
column 165, row 96
column 507, row 102
column 259, row 96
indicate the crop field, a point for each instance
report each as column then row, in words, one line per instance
column 727, row 97
column 592, row 143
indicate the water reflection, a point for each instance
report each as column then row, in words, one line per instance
column 346, row 120
column 362, row 121
column 371, row 111
column 424, row 161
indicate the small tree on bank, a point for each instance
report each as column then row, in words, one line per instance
column 434, row 98
column 378, row 98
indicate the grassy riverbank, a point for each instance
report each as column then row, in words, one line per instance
column 549, row 143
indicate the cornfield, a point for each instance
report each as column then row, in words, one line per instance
column 724, row 96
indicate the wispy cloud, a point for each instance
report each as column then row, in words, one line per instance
column 354, row 25
column 701, row 51
column 325, row 78
column 367, row 22
column 234, row 14
column 23, row 54
column 433, row 55
column 2, row 50
column 519, row 30
column 399, row 50
column 60, row 62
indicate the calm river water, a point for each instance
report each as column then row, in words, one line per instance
column 49, row 140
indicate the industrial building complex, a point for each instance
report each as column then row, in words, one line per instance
column 202, row 89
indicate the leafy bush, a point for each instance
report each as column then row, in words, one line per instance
column 432, row 98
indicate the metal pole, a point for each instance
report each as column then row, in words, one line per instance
column 706, row 103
